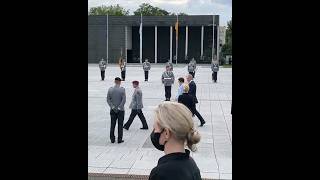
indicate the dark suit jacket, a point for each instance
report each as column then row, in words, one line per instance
column 176, row 166
column 188, row 101
column 193, row 91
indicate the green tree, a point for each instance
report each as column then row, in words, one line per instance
column 115, row 10
column 147, row 10
column 227, row 48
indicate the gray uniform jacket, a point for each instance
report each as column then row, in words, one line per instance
column 171, row 65
column 116, row 97
column 194, row 64
column 215, row 67
column 191, row 67
column 136, row 102
column 102, row 65
column 146, row 66
column 167, row 78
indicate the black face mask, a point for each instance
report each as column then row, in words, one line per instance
column 155, row 137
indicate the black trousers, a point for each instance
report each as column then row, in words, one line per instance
column 146, row 73
column 192, row 73
column 214, row 76
column 133, row 114
column 102, row 75
column 167, row 90
column 198, row 115
column 114, row 117
column 123, row 75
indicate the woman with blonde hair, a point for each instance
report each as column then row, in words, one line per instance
column 186, row 99
column 173, row 131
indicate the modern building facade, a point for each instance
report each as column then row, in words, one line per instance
column 110, row 37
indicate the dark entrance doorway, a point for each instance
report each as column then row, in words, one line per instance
column 130, row 57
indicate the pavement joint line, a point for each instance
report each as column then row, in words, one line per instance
column 214, row 151
column 225, row 122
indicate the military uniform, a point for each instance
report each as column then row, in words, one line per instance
column 123, row 70
column 171, row 65
column 192, row 66
column 146, row 67
column 102, row 66
column 116, row 99
column 215, row 69
column 167, row 80
column 136, row 105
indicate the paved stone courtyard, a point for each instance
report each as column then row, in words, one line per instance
column 137, row 155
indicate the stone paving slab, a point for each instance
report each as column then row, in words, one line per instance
column 137, row 156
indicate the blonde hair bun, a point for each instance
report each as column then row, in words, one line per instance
column 178, row 119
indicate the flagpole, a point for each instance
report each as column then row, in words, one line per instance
column 140, row 32
column 177, row 40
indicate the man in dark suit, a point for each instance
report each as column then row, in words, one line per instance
column 193, row 93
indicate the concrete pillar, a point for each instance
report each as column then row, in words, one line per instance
column 170, row 43
column 126, row 43
column 186, row 50
column 155, row 43
column 218, row 43
column 202, row 29
column 107, row 39
column 213, row 37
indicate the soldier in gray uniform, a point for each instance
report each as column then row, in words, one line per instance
column 136, row 105
column 215, row 69
column 122, row 65
column 116, row 99
column 170, row 65
column 146, row 67
column 102, row 66
column 167, row 80
column 194, row 62
column 192, row 67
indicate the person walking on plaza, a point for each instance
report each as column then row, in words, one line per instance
column 116, row 99
column 187, row 99
column 167, row 80
column 180, row 89
column 102, row 66
column 193, row 93
column 192, row 67
column 146, row 67
column 173, row 131
column 215, row 69
column 136, row 105
column 122, row 65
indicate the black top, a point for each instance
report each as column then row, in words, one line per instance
column 176, row 166
column 193, row 91
column 188, row 101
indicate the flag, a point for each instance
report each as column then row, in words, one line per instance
column 176, row 27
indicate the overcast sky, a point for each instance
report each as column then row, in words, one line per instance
column 191, row 7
